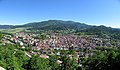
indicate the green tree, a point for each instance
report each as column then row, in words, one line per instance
column 67, row 63
column 22, row 59
column 1, row 35
column 53, row 62
column 37, row 63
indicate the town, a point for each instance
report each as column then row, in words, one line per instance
column 59, row 46
column 48, row 42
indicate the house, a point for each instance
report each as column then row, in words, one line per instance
column 44, row 56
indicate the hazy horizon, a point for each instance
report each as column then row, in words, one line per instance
column 91, row 12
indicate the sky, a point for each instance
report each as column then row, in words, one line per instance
column 92, row 12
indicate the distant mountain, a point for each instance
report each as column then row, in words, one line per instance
column 6, row 26
column 51, row 25
column 56, row 25
column 65, row 25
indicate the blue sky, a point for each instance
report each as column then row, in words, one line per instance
column 92, row 12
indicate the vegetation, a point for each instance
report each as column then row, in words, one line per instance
column 52, row 25
column 101, row 31
column 12, row 58
column 12, row 31
column 104, row 60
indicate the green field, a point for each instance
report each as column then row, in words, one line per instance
column 12, row 31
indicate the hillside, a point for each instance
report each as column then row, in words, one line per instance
column 6, row 26
column 102, row 31
column 56, row 25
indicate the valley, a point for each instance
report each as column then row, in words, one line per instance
column 60, row 43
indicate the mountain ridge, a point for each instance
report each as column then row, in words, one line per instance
column 50, row 24
column 80, row 28
column 55, row 25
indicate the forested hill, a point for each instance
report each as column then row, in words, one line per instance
column 65, row 25
column 56, row 25
column 102, row 31
column 6, row 26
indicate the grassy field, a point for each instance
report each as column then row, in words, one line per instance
column 12, row 31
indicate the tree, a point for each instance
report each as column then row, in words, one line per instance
column 10, row 59
column 53, row 62
column 67, row 63
column 43, row 36
column 37, row 63
column 1, row 35
column 22, row 59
